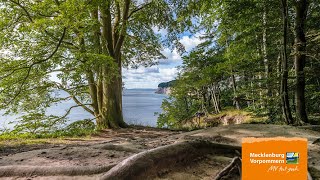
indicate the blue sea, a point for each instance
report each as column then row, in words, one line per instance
column 139, row 108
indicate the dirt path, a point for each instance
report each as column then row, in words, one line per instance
column 108, row 147
column 101, row 152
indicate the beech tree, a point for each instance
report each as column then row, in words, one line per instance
column 301, row 9
column 286, row 110
column 84, row 44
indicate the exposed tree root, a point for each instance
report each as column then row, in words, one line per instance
column 235, row 168
column 317, row 141
column 145, row 165
column 309, row 176
column 313, row 172
column 141, row 165
column 235, row 165
column 27, row 171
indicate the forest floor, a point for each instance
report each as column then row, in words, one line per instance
column 110, row 147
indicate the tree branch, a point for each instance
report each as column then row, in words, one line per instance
column 138, row 9
column 107, row 28
column 38, row 62
column 75, row 99
column 67, row 113
column 116, row 24
column 82, row 105
column 24, row 9
column 31, row 20
column 123, row 28
column 56, row 38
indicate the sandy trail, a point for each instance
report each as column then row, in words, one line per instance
column 112, row 146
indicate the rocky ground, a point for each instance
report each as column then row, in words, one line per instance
column 91, row 158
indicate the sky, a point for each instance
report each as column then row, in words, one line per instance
column 165, row 71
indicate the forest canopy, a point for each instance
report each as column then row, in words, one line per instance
column 78, row 47
column 258, row 56
column 261, row 56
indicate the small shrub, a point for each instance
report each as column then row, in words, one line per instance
column 80, row 128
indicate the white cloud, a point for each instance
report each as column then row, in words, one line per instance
column 158, row 30
column 171, row 56
column 143, row 70
column 191, row 42
column 148, row 77
column 168, row 73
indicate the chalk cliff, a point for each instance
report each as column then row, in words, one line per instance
column 165, row 87
column 163, row 90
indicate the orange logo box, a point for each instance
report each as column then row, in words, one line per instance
column 274, row 158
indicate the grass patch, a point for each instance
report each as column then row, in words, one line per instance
column 57, row 134
column 9, row 139
column 76, row 131
column 23, row 142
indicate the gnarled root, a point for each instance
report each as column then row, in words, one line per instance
column 27, row 171
column 233, row 167
column 145, row 165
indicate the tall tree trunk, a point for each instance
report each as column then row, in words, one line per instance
column 111, row 111
column 266, row 63
column 110, row 87
column 114, row 103
column 284, row 79
column 252, row 92
column 215, row 99
column 94, row 88
column 301, row 7
column 234, row 87
column 186, row 104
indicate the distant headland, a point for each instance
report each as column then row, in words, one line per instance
column 165, row 87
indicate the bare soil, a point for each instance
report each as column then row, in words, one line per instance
column 110, row 147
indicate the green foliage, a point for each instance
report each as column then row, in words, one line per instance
column 79, row 128
column 40, row 129
column 83, row 44
column 240, row 60
column 190, row 93
column 167, row 84
column 175, row 113
column 86, row 43
column 37, row 123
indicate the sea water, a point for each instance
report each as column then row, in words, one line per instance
column 140, row 107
